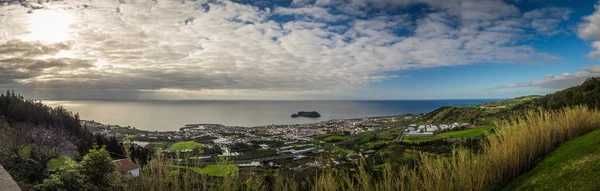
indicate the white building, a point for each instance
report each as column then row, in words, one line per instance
column 252, row 164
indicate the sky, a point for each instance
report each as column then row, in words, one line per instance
column 296, row 49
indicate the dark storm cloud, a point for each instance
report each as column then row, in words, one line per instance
column 18, row 48
column 22, row 60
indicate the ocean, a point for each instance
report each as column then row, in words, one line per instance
column 171, row 115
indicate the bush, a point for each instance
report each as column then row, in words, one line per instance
column 95, row 172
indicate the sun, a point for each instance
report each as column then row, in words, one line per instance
column 49, row 26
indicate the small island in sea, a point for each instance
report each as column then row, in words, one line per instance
column 311, row 114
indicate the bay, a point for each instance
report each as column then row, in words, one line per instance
column 171, row 115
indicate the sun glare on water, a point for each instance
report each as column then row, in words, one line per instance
column 49, row 26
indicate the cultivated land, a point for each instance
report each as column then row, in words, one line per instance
column 572, row 166
column 467, row 133
column 185, row 145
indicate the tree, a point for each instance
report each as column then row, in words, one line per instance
column 98, row 169
column 66, row 178
column 26, row 148
column 47, row 143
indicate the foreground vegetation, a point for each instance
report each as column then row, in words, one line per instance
column 222, row 170
column 570, row 167
column 510, row 151
column 35, row 139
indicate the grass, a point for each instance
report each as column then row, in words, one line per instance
column 184, row 145
column 342, row 150
column 513, row 149
column 467, row 133
column 573, row 166
column 373, row 144
column 335, row 138
column 59, row 162
column 418, row 139
column 129, row 137
column 159, row 144
column 220, row 170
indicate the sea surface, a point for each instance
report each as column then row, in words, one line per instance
column 171, row 115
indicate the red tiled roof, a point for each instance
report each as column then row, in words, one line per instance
column 125, row 165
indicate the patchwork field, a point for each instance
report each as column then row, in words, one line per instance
column 467, row 133
column 184, row 145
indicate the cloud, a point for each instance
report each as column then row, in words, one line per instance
column 589, row 29
column 547, row 20
column 20, row 61
column 562, row 81
column 219, row 46
column 310, row 13
column 595, row 53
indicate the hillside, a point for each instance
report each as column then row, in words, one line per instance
column 572, row 166
column 483, row 114
column 588, row 93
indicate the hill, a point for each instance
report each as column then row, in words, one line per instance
column 572, row 166
column 482, row 114
column 588, row 93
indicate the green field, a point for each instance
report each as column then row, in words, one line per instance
column 336, row 138
column 467, row 133
column 215, row 170
column 343, row 150
column 575, row 165
column 373, row 144
column 183, row 145
column 418, row 139
column 159, row 144
column 129, row 137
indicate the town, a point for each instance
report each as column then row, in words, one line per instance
column 266, row 145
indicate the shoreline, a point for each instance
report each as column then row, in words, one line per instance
column 196, row 125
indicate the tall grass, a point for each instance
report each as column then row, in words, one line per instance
column 511, row 150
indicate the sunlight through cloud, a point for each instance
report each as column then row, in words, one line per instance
column 49, row 26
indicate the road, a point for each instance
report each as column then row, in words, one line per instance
column 285, row 156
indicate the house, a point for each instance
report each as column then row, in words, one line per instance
column 127, row 166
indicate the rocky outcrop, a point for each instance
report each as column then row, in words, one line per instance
column 311, row 114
